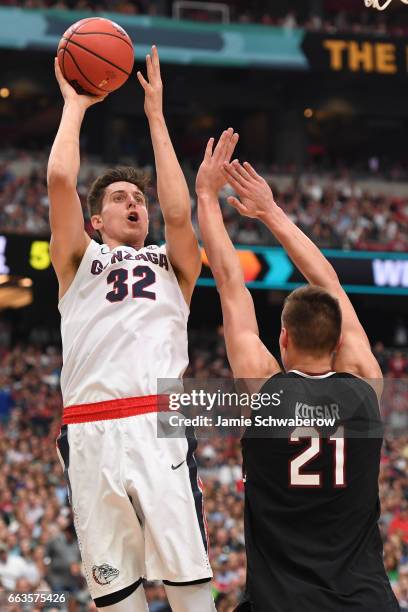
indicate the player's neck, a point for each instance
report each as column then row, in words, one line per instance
column 112, row 243
column 311, row 366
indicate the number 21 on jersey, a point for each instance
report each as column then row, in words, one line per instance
column 313, row 479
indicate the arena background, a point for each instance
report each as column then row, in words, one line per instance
column 317, row 90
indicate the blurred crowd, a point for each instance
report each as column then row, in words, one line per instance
column 38, row 548
column 339, row 214
column 336, row 213
column 330, row 16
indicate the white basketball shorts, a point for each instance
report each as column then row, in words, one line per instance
column 136, row 498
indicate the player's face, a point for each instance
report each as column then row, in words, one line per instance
column 124, row 214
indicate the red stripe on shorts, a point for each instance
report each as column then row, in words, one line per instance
column 115, row 409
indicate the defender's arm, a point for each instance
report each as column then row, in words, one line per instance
column 248, row 356
column 173, row 192
column 355, row 354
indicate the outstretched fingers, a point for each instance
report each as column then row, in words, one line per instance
column 209, row 149
column 222, row 145
column 156, row 60
column 252, row 172
column 231, row 146
column 142, row 80
column 153, row 67
column 235, row 179
column 149, row 67
column 231, row 180
column 241, row 171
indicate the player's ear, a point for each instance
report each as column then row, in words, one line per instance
column 96, row 221
column 284, row 338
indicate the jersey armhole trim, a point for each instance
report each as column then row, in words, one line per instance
column 182, row 298
column 90, row 248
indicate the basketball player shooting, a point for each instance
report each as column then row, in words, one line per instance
column 312, row 505
column 136, row 499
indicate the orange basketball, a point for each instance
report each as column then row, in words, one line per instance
column 96, row 55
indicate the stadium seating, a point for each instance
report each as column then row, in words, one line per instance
column 336, row 212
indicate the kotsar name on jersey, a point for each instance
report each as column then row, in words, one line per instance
column 324, row 411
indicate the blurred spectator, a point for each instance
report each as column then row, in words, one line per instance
column 400, row 334
column 6, row 401
column 398, row 364
column 13, row 567
column 399, row 524
column 63, row 553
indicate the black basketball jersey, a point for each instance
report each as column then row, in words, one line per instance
column 312, row 504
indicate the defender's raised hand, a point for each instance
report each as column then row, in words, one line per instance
column 210, row 177
column 70, row 95
column 256, row 195
column 153, row 87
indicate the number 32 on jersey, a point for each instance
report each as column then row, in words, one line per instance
column 120, row 290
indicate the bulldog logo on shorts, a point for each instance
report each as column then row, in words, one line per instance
column 104, row 574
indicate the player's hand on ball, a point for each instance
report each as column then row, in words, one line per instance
column 153, row 87
column 256, row 197
column 210, row 177
column 70, row 95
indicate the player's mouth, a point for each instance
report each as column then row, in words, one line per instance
column 133, row 217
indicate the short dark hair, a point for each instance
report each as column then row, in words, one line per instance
column 114, row 175
column 313, row 319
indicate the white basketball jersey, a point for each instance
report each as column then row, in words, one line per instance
column 123, row 325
